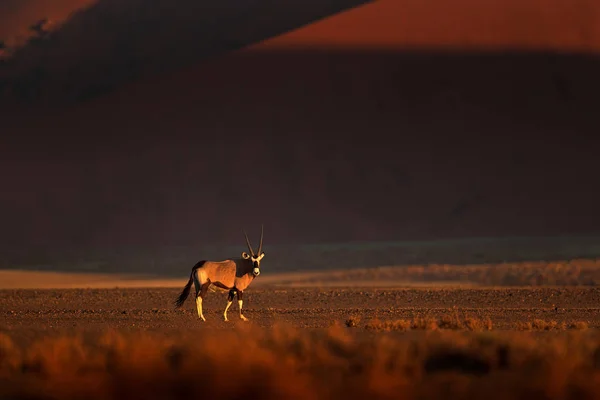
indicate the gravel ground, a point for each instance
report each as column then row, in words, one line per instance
column 28, row 313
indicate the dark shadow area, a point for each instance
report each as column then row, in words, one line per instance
column 320, row 146
column 114, row 42
column 459, row 361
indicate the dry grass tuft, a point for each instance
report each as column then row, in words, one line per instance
column 476, row 324
column 422, row 323
column 284, row 362
column 398, row 325
column 446, row 322
column 543, row 325
column 524, row 326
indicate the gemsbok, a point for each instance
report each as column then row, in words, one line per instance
column 234, row 274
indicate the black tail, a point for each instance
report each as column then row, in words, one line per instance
column 186, row 290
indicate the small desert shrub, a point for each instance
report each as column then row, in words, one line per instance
column 352, row 321
column 578, row 325
column 450, row 322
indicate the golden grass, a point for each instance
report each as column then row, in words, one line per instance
column 450, row 322
column 447, row 322
column 543, row 325
column 453, row 320
column 284, row 362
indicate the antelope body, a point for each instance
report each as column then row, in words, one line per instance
column 234, row 274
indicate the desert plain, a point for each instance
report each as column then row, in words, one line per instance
column 509, row 330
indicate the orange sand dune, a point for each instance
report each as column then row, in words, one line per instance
column 16, row 279
column 19, row 279
column 466, row 24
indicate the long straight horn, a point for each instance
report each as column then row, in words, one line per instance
column 261, row 240
column 248, row 243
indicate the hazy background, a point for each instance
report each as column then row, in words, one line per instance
column 137, row 135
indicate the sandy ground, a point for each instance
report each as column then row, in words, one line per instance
column 41, row 303
column 31, row 312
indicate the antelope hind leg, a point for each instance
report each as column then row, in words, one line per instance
column 229, row 301
column 199, row 296
column 199, row 307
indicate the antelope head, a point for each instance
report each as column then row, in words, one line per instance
column 254, row 257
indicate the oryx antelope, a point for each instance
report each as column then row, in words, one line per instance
column 235, row 275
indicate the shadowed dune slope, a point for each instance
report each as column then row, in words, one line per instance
column 111, row 42
column 320, row 146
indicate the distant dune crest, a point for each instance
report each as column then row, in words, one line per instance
column 105, row 44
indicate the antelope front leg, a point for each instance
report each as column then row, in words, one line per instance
column 241, row 302
column 229, row 301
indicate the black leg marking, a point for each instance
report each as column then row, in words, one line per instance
column 239, row 294
column 231, row 295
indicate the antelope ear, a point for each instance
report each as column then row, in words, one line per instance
column 245, row 255
column 261, row 256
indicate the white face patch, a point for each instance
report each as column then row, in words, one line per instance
column 255, row 260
